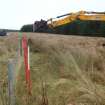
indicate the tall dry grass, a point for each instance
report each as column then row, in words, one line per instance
column 8, row 50
column 61, row 74
column 72, row 76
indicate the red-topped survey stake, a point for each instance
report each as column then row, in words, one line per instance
column 26, row 61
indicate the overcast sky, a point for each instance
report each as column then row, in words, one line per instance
column 15, row 13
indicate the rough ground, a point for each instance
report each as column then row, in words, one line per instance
column 72, row 78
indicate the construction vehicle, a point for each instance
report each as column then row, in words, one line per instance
column 3, row 32
column 81, row 22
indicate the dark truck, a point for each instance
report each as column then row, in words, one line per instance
column 3, row 33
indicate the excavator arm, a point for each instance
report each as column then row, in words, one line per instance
column 67, row 18
column 82, row 15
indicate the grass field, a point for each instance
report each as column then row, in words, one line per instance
column 65, row 70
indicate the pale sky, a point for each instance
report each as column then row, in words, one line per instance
column 16, row 13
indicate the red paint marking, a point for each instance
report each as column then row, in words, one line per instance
column 27, row 69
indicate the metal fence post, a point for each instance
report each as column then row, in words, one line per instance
column 11, row 79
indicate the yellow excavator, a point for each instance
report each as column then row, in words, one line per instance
column 81, row 22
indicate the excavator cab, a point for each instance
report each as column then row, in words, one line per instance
column 40, row 26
